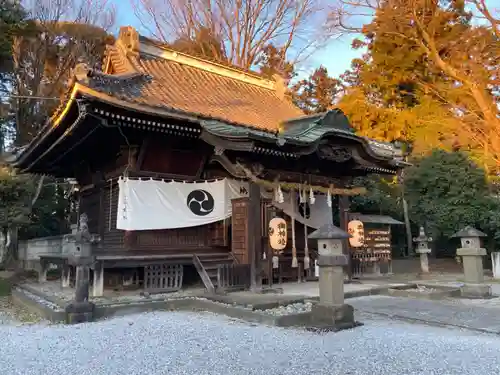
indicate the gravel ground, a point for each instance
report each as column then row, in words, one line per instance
column 197, row 344
column 288, row 309
column 54, row 289
column 14, row 315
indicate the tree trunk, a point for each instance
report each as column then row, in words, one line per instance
column 10, row 251
column 406, row 215
column 4, row 243
column 409, row 237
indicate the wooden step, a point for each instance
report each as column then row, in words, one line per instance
column 216, row 260
column 213, row 255
column 207, row 266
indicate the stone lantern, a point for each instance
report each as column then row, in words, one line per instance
column 472, row 259
column 80, row 309
column 423, row 249
column 331, row 311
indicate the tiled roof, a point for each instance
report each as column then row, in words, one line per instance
column 374, row 219
column 308, row 130
column 206, row 92
column 469, row 231
column 328, row 232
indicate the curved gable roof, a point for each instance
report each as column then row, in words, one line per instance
column 175, row 81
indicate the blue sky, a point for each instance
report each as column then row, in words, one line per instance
column 336, row 56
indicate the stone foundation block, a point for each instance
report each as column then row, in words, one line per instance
column 332, row 317
column 79, row 312
column 475, row 291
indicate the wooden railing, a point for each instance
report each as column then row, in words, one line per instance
column 233, row 276
column 364, row 264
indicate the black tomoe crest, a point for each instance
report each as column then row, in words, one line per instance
column 200, row 202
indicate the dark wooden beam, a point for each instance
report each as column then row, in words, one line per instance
column 297, row 177
column 254, row 236
column 142, row 152
column 228, row 165
column 203, row 164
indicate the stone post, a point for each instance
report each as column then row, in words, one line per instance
column 81, row 309
column 42, row 272
column 423, row 249
column 331, row 312
column 495, row 264
column 66, row 276
column 472, row 259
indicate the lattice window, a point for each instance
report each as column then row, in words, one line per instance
column 163, row 277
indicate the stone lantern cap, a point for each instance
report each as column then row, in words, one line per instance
column 469, row 232
column 422, row 237
column 329, row 232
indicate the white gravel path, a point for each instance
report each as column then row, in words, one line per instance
column 198, row 344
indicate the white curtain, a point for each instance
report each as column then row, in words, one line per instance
column 153, row 204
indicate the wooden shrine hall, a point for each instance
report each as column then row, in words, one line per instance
column 181, row 164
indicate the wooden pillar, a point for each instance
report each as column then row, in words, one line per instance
column 344, row 207
column 239, row 230
column 246, row 238
column 254, row 226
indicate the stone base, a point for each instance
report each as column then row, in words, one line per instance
column 332, row 318
column 475, row 291
column 270, row 290
column 424, row 276
column 79, row 312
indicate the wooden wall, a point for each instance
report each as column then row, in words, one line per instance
column 239, row 230
column 101, row 205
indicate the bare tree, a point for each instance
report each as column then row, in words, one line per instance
column 491, row 16
column 470, row 61
column 245, row 27
column 61, row 34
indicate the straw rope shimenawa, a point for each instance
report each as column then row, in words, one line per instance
column 297, row 186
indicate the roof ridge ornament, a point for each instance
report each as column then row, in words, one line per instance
column 81, row 72
column 129, row 37
column 280, row 86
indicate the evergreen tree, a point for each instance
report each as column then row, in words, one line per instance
column 446, row 191
column 44, row 57
column 12, row 22
column 387, row 91
column 42, row 53
column 317, row 93
column 425, row 58
column 272, row 61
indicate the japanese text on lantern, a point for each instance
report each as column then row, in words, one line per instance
column 357, row 231
column 277, row 233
